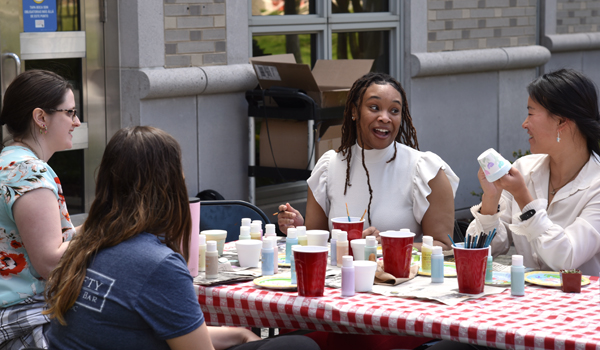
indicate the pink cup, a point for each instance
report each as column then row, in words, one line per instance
column 470, row 269
column 397, row 252
column 354, row 228
column 194, row 247
column 311, row 263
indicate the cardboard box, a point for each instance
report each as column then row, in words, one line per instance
column 289, row 142
column 327, row 84
column 331, row 139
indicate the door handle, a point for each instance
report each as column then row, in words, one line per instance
column 17, row 60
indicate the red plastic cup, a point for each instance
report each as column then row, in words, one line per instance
column 354, row 227
column 311, row 263
column 470, row 269
column 397, row 252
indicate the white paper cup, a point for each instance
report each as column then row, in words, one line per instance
column 216, row 235
column 364, row 275
column 248, row 252
column 317, row 237
column 358, row 248
column 494, row 166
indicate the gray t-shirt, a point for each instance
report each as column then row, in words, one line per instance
column 135, row 295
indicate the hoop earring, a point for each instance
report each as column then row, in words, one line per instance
column 44, row 129
column 558, row 137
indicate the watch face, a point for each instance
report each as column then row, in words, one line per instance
column 526, row 215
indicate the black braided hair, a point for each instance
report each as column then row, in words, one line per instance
column 351, row 128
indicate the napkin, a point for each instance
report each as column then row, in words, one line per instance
column 384, row 278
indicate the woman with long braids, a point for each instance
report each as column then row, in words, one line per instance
column 378, row 167
column 548, row 205
column 35, row 228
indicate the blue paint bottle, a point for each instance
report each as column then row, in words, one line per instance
column 437, row 265
column 267, row 254
column 289, row 242
column 517, row 276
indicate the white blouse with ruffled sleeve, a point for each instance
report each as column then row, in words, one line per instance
column 400, row 187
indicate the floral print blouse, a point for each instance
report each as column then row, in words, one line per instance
column 20, row 172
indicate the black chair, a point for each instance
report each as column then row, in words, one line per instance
column 227, row 215
column 460, row 230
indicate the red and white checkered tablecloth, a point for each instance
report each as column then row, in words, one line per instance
column 545, row 318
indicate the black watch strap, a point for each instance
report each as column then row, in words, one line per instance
column 527, row 215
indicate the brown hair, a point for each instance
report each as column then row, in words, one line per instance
column 30, row 90
column 351, row 128
column 140, row 188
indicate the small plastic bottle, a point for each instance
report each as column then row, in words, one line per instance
column 437, row 265
column 517, row 276
column 348, row 286
column 293, row 266
column 302, row 239
column 371, row 248
column 202, row 253
column 255, row 231
column 273, row 240
column 333, row 246
column 259, row 222
column 270, row 233
column 244, row 233
column 212, row 260
column 291, row 240
column 270, row 230
column 489, row 270
column 426, row 250
column 246, row 222
column 342, row 245
column 267, row 257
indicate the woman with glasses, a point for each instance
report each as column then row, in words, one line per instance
column 35, row 229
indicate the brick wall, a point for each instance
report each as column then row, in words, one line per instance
column 194, row 33
column 479, row 24
column 577, row 16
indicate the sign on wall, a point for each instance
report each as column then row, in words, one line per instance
column 39, row 15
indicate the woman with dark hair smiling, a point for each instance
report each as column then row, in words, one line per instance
column 548, row 205
column 378, row 167
column 35, row 229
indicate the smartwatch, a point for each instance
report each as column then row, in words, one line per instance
column 527, row 215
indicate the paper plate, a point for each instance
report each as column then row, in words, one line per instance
column 449, row 270
column 281, row 261
column 275, row 282
column 549, row 278
column 500, row 278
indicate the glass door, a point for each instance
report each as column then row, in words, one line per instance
column 66, row 37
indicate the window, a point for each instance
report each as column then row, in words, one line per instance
column 328, row 29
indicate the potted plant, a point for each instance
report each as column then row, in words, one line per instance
column 570, row 281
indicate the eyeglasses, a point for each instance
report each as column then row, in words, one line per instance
column 72, row 113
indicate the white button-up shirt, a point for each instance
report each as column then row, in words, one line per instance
column 562, row 235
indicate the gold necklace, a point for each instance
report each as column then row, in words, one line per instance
column 554, row 190
column 30, row 148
